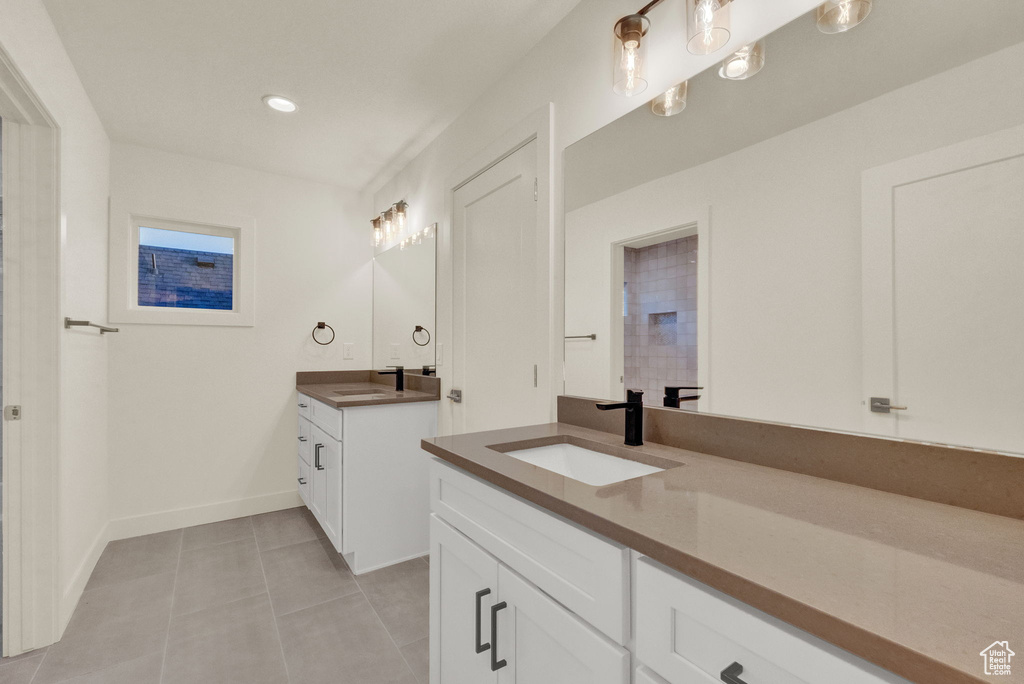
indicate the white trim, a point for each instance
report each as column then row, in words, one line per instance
column 123, row 288
column 73, row 592
column 31, row 360
column 878, row 191
column 538, row 126
column 695, row 223
column 163, row 521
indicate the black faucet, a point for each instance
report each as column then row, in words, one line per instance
column 634, row 406
column 672, row 397
column 399, row 374
column 430, row 370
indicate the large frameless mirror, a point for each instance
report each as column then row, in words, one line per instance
column 833, row 241
column 404, row 303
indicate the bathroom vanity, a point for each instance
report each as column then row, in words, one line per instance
column 716, row 567
column 360, row 470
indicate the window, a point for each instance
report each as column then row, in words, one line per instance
column 185, row 270
column 181, row 272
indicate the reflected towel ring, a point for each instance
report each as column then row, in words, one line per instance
column 320, row 326
column 419, row 329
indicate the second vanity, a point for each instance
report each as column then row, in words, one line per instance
column 711, row 569
column 360, row 471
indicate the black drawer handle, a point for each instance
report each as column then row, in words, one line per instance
column 730, row 675
column 480, row 648
column 495, row 663
column 301, row 481
column 302, row 439
column 316, row 460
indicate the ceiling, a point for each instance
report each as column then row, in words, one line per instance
column 375, row 81
column 807, row 76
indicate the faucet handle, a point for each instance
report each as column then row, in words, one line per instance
column 397, row 367
column 635, row 396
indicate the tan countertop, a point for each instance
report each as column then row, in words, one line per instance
column 345, row 389
column 917, row 587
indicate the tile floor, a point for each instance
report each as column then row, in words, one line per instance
column 260, row 600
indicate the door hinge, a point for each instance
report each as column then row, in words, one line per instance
column 534, row 375
column 536, row 189
column 12, row 412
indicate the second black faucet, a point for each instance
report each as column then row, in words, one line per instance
column 399, row 374
column 634, row 406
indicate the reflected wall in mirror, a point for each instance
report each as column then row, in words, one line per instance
column 403, row 300
column 858, row 213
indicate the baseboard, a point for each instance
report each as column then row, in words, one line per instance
column 163, row 521
column 350, row 557
column 73, row 592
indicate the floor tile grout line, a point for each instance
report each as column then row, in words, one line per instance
column 388, row 632
column 170, row 616
column 273, row 611
column 39, row 666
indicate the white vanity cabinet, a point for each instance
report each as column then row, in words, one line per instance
column 553, row 598
column 494, row 626
column 364, row 478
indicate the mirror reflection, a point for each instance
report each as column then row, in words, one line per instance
column 403, row 304
column 834, row 241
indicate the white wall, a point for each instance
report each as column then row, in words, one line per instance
column 785, row 268
column 403, row 297
column 203, row 418
column 571, row 69
column 29, row 38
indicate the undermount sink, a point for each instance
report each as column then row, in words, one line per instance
column 361, row 395
column 572, row 458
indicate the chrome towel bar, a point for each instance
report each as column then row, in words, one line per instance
column 71, row 323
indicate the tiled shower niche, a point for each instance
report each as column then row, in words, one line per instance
column 661, row 317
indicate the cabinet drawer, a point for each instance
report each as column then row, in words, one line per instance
column 304, row 439
column 305, row 404
column 586, row 573
column 645, row 676
column 304, row 482
column 683, row 626
column 327, row 418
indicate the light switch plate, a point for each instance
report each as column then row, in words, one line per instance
column 394, row 351
column 349, row 351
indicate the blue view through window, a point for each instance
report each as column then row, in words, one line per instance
column 183, row 270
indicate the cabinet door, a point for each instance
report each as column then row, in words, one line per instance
column 459, row 570
column 542, row 642
column 326, row 475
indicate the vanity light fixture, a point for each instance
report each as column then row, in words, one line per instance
column 744, row 63
column 707, row 26
column 837, row 16
column 672, row 101
column 399, row 213
column 281, row 104
column 388, row 221
column 378, row 231
column 629, row 74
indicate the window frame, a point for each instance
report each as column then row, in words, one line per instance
column 124, row 267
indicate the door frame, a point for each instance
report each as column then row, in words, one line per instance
column 31, row 362
column 537, row 126
column 700, row 226
column 878, row 195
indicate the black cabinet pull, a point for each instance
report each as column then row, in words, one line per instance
column 302, row 439
column 480, row 648
column 730, row 675
column 301, row 481
column 495, row 663
column 316, row 459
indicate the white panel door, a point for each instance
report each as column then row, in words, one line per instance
column 956, row 285
column 541, row 642
column 460, row 620
column 500, row 319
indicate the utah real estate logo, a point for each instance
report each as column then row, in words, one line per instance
column 997, row 658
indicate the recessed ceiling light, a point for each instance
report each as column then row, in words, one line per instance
column 281, row 104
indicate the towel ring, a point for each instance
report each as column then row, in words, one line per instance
column 419, row 329
column 320, row 326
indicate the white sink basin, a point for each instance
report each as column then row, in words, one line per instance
column 586, row 466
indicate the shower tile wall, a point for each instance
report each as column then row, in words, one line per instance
column 661, row 317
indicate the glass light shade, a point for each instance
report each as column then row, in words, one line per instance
column 836, row 16
column 629, row 76
column 399, row 211
column 672, row 101
column 387, row 219
column 378, row 232
column 707, row 26
column 744, row 63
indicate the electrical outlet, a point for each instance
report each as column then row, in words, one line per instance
column 349, row 351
